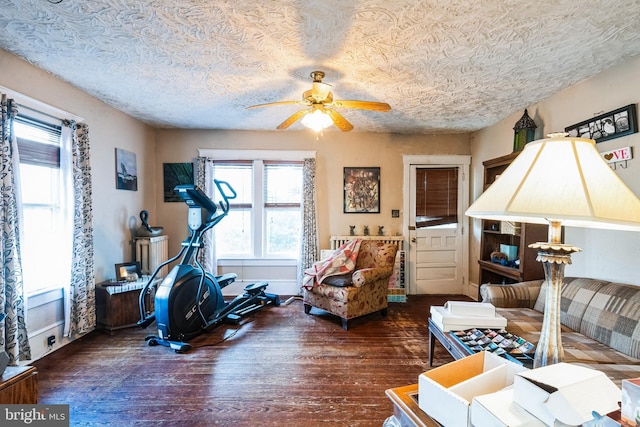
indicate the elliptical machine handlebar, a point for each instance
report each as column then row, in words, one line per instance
column 224, row 203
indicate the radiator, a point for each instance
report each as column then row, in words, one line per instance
column 337, row 241
column 151, row 252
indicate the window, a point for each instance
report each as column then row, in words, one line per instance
column 265, row 219
column 436, row 197
column 45, row 239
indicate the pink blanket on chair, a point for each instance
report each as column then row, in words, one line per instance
column 342, row 261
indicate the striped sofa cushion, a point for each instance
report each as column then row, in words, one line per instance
column 612, row 318
column 577, row 294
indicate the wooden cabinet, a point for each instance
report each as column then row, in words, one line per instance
column 19, row 385
column 496, row 233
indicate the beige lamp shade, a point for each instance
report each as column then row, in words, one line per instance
column 563, row 179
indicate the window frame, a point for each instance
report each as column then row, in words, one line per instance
column 259, row 208
column 262, row 156
column 46, row 155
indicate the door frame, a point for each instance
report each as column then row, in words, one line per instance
column 460, row 161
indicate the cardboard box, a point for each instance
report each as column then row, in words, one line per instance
column 445, row 393
column 499, row 410
column 631, row 402
column 566, row 393
column 467, row 308
column 448, row 322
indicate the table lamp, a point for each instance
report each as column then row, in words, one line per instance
column 559, row 181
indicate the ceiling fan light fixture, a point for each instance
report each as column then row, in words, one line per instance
column 319, row 112
column 317, row 121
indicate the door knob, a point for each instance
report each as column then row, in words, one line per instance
column 413, row 240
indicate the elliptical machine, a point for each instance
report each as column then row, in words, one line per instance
column 189, row 300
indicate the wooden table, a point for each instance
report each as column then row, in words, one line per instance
column 19, row 385
column 406, row 411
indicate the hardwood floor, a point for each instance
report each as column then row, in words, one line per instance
column 279, row 368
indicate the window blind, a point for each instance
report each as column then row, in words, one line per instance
column 436, row 196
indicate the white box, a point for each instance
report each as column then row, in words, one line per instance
column 565, row 392
column 467, row 308
column 445, row 393
column 499, row 410
column 448, row 322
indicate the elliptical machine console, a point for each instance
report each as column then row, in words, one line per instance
column 189, row 300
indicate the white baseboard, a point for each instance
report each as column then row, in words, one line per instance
column 472, row 290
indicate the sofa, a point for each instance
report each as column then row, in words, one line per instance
column 600, row 320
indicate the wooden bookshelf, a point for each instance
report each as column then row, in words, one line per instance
column 493, row 235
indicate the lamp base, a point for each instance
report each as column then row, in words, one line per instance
column 554, row 257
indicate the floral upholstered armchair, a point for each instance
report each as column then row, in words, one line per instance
column 356, row 293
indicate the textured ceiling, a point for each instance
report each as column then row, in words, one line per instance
column 442, row 65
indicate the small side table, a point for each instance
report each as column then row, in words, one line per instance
column 19, row 385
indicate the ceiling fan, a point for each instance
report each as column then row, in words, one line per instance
column 319, row 100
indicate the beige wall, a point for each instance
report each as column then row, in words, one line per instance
column 610, row 255
column 114, row 211
column 334, row 149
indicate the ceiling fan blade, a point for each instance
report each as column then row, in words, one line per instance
column 293, row 118
column 338, row 120
column 275, row 103
column 363, row 105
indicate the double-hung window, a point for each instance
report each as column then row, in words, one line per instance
column 45, row 238
column 265, row 219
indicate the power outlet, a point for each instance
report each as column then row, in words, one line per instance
column 51, row 340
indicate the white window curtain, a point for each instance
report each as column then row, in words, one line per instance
column 80, row 310
column 309, row 245
column 13, row 329
column 204, row 180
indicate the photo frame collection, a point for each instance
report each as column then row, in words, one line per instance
column 614, row 124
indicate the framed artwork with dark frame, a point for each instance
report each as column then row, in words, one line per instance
column 361, row 190
column 126, row 270
column 126, row 170
column 614, row 124
column 176, row 174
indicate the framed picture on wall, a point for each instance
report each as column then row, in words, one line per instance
column 614, row 124
column 361, row 190
column 176, row 174
column 126, row 170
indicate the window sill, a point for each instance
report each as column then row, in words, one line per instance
column 44, row 296
column 257, row 262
